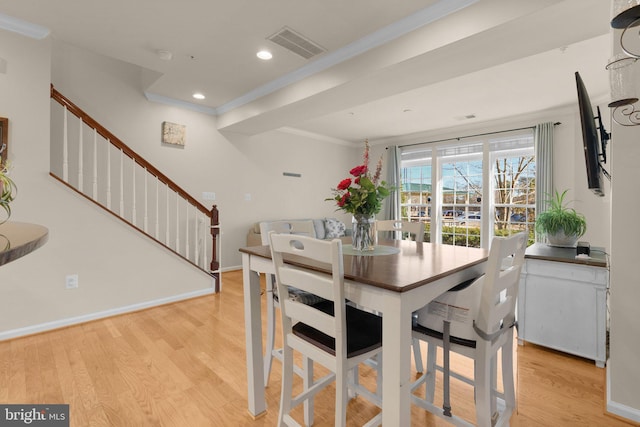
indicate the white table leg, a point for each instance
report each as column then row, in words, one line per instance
column 396, row 356
column 253, row 334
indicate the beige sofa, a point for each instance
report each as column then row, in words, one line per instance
column 324, row 228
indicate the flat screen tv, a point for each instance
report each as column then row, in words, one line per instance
column 594, row 139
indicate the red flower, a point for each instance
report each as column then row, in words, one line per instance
column 343, row 199
column 357, row 180
column 358, row 170
column 344, row 184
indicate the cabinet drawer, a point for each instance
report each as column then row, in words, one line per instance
column 567, row 271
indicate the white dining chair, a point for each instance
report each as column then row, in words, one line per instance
column 415, row 230
column 297, row 227
column 476, row 319
column 332, row 333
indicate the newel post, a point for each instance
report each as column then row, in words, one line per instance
column 215, row 231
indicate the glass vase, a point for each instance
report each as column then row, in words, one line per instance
column 364, row 236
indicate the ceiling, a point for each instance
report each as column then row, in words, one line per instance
column 389, row 68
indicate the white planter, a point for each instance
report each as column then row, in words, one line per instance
column 562, row 240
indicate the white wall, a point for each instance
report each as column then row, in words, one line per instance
column 623, row 368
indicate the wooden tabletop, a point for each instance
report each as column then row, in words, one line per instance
column 18, row 239
column 416, row 264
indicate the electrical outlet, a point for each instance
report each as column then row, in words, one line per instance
column 71, row 281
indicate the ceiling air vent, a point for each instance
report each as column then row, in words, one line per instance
column 296, row 43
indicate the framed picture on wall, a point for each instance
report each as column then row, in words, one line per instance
column 4, row 139
column 173, row 133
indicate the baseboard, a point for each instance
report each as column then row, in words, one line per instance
column 44, row 327
column 617, row 409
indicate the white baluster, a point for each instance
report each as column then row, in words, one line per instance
column 146, row 203
column 121, row 184
column 157, row 208
column 133, row 192
column 80, row 157
column 65, row 149
column 196, row 236
column 205, row 227
column 108, row 142
column 95, row 165
column 186, row 232
column 177, row 223
column 166, row 239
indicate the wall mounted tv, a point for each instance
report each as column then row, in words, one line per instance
column 594, row 139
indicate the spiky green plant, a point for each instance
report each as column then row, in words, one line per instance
column 8, row 191
column 560, row 218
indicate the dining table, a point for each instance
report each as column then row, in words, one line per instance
column 395, row 279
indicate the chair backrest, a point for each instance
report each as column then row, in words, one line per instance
column 487, row 301
column 500, row 288
column 415, row 228
column 299, row 227
column 330, row 287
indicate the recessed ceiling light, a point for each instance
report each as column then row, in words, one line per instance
column 165, row 55
column 198, row 96
column 264, row 54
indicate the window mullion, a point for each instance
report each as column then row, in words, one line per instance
column 436, row 199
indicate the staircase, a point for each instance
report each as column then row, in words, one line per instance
column 93, row 162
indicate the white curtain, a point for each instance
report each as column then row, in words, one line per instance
column 543, row 141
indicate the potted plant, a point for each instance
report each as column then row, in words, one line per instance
column 562, row 225
column 8, row 191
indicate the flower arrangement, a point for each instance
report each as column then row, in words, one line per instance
column 362, row 193
column 8, row 190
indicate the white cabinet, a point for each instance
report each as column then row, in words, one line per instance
column 562, row 302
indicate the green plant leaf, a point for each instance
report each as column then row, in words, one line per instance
column 559, row 217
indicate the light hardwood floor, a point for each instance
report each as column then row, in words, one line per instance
column 183, row 364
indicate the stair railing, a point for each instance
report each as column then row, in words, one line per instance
column 92, row 161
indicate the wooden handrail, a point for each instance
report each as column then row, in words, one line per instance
column 212, row 213
column 78, row 112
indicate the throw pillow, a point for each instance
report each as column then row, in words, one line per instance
column 334, row 228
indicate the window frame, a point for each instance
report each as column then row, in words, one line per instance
column 487, row 148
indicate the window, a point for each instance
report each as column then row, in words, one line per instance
column 514, row 195
column 461, row 194
column 415, row 197
column 514, row 186
column 484, row 187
